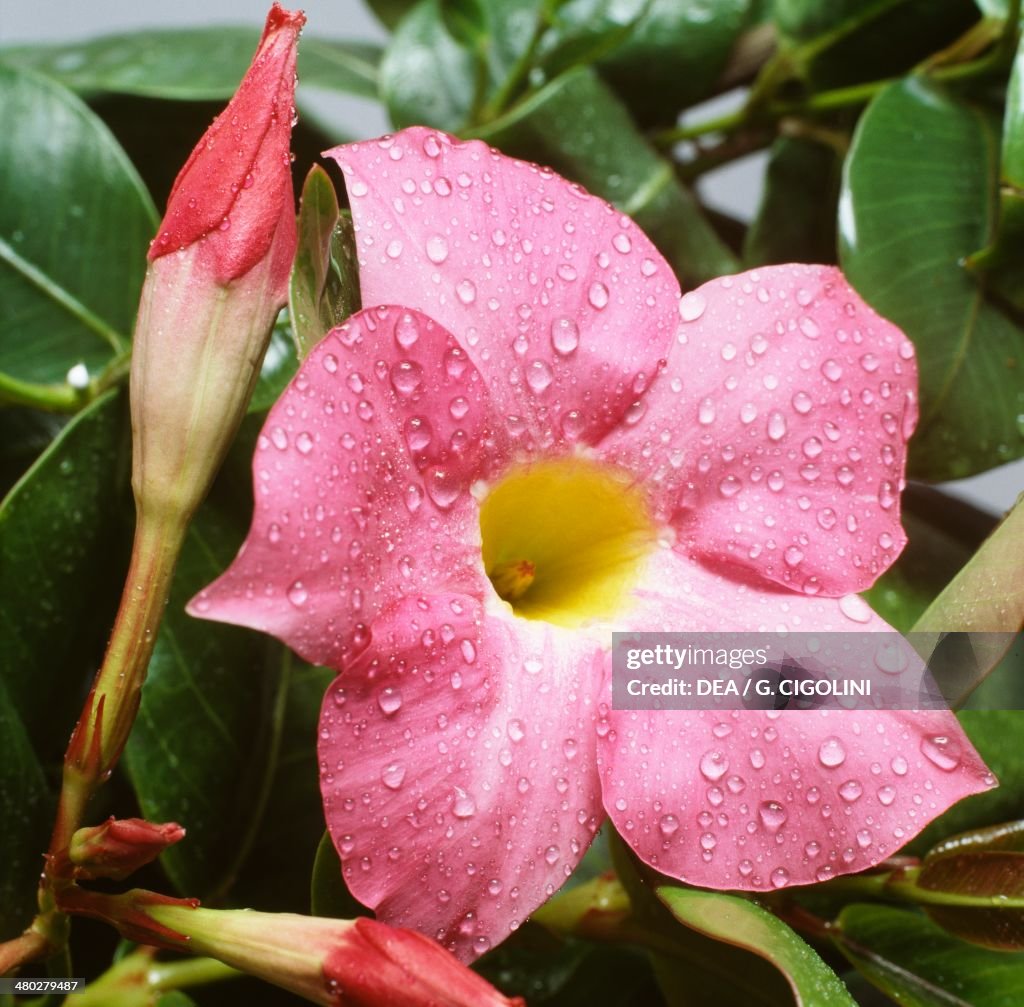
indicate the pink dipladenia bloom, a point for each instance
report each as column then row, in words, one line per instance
column 531, row 441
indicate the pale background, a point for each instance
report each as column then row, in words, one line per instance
column 734, row 189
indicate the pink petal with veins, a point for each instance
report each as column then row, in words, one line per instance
column 458, row 767
column 560, row 299
column 361, row 476
column 775, row 439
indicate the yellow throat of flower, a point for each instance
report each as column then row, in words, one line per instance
column 563, row 541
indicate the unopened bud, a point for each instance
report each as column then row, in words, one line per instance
column 119, row 847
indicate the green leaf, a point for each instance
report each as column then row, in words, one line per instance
column 279, row 367
column 75, row 221
column 287, row 832
column 192, row 64
column 73, row 239
column 659, row 55
column 844, row 41
column 1005, row 836
column 978, row 896
column 194, row 754
column 744, row 924
column 64, row 533
column 25, row 814
column 578, row 126
column 793, row 223
column 692, row 969
column 324, row 285
column 329, row 895
column 943, row 534
column 390, row 12
column 426, row 76
column 908, row 957
column 24, row 435
column 916, row 200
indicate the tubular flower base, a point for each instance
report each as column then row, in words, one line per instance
column 536, row 442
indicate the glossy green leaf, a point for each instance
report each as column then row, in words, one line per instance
column 659, row 55
column 1004, row 836
column 692, row 969
column 329, row 895
column 194, row 756
column 579, row 127
column 743, row 923
column 918, row 965
column 324, row 286
column 796, row 219
column 976, row 895
column 1013, row 125
column 25, row 808
column 916, row 201
column 426, row 76
column 191, row 64
column 843, row 41
column 64, row 533
column 24, row 435
column 75, row 222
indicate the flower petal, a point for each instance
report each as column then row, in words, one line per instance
column 361, row 476
column 458, row 767
column 560, row 300
column 761, row 799
column 775, row 439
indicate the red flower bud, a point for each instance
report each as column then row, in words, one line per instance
column 235, row 191
column 218, row 275
column 117, row 848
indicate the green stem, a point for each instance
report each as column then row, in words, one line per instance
column 520, row 69
column 109, row 712
column 62, row 398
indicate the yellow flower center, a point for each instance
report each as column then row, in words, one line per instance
column 563, row 541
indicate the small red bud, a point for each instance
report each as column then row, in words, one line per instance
column 119, row 847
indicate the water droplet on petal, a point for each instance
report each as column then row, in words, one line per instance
column 942, row 750
column 437, row 249
column 389, row 699
column 831, row 752
column 466, row 291
column 691, row 306
column 393, row 775
column 297, row 594
column 565, row 336
column 668, row 825
column 598, row 295
column 713, row 765
column 772, row 814
column 463, row 806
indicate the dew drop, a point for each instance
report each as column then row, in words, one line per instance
column 565, row 336
column 772, row 814
column 393, row 775
column 437, row 249
column 297, row 594
column 942, row 751
column 831, row 752
column 691, row 306
column 463, row 806
column 389, row 699
column 598, row 295
column 713, row 765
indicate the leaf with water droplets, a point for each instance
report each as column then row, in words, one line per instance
column 69, row 288
column 324, row 287
column 912, row 960
column 917, row 199
column 745, row 924
column 64, row 537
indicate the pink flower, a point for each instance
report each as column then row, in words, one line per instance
column 540, row 406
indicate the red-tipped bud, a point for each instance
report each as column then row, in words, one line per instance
column 217, row 277
column 119, row 847
column 235, row 191
column 338, row 963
